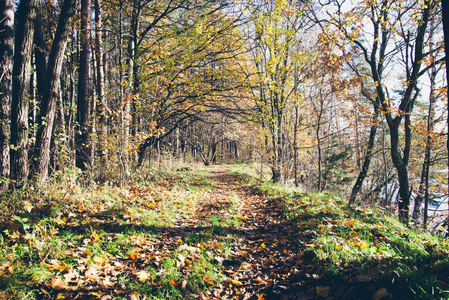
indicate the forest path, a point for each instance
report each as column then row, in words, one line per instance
column 269, row 261
column 205, row 234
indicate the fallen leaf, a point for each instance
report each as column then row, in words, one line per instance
column 381, row 294
column 173, row 283
column 70, row 276
column 322, row 291
column 95, row 236
column 98, row 294
column 235, row 282
column 91, row 273
column 134, row 296
column 62, row 267
column 245, row 265
column 142, row 276
column 208, row 280
column 98, row 260
column 107, row 282
column 58, row 284
column 86, row 252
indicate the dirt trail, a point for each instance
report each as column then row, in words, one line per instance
column 269, row 260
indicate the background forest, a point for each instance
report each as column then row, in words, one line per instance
column 343, row 96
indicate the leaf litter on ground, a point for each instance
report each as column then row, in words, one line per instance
column 204, row 236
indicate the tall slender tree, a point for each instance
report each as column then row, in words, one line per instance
column 51, row 91
column 98, row 48
column 6, row 65
column 26, row 17
column 82, row 134
column 445, row 13
column 392, row 40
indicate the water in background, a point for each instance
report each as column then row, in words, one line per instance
column 437, row 212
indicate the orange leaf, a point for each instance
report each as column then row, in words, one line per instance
column 58, row 284
column 173, row 283
column 208, row 280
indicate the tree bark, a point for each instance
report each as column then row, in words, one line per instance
column 52, row 87
column 102, row 148
column 364, row 171
column 445, row 12
column 295, row 146
column 133, row 68
column 423, row 186
column 82, row 135
column 40, row 55
column 6, row 69
column 26, row 16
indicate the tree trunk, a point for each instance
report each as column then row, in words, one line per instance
column 40, row 55
column 93, row 114
column 236, row 150
column 423, row 186
column 40, row 67
column 48, row 104
column 26, row 16
column 102, row 148
column 6, row 66
column 82, row 135
column 6, row 69
column 402, row 171
column 364, row 171
column 320, row 171
column 133, row 68
column 445, row 13
column 295, row 146
column 275, row 174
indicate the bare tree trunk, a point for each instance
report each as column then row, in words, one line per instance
column 320, row 171
column 364, row 171
column 357, row 146
column 40, row 55
column 71, row 111
column 93, row 113
column 445, row 13
column 100, row 88
column 122, row 139
column 82, row 136
column 295, row 146
column 133, row 68
column 423, row 186
column 6, row 69
column 26, row 16
column 38, row 77
column 52, row 89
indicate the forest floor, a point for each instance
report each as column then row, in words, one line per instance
column 210, row 235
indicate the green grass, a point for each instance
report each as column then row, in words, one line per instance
column 346, row 238
column 104, row 238
column 110, row 237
